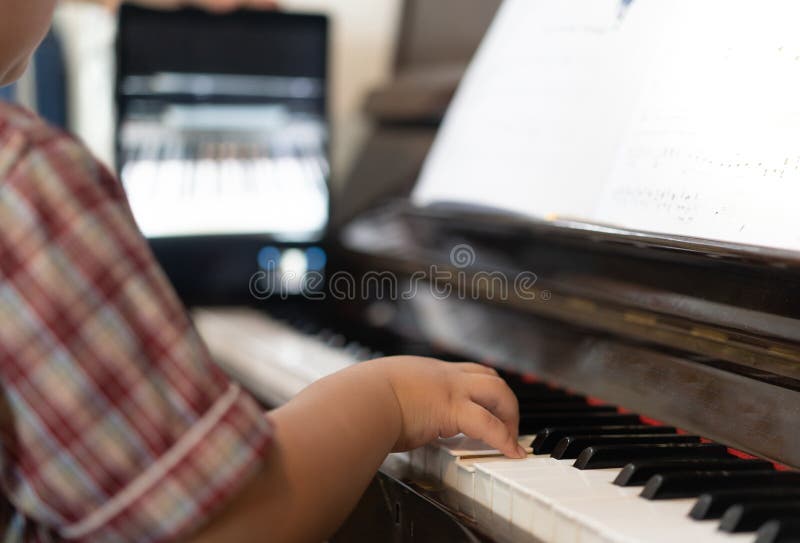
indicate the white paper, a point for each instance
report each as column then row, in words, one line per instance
column 713, row 149
column 671, row 116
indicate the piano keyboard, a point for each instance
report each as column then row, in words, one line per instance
column 586, row 482
column 594, row 474
column 270, row 358
column 183, row 185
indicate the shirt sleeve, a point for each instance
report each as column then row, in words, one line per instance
column 115, row 424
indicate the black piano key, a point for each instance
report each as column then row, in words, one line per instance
column 712, row 505
column 531, row 388
column 784, row 530
column 750, row 517
column 526, row 410
column 548, row 438
column 688, row 484
column 524, row 394
column 551, row 404
column 638, row 473
column 517, row 385
column 573, row 446
column 616, row 456
column 531, row 424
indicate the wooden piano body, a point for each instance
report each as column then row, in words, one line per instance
column 703, row 337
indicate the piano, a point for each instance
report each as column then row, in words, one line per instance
column 608, row 217
column 222, row 141
column 644, row 422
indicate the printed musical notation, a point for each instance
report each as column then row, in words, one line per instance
column 711, row 149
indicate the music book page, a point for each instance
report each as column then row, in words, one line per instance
column 680, row 117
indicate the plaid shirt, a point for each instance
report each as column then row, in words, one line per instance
column 115, row 425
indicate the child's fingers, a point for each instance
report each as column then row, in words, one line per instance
column 478, row 423
column 493, row 394
column 472, row 367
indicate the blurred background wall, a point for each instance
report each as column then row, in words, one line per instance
column 363, row 37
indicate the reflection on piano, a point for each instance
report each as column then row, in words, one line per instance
column 218, row 178
column 222, row 140
column 657, row 373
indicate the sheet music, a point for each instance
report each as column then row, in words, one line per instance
column 679, row 117
column 536, row 108
column 714, row 146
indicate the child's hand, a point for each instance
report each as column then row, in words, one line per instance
column 334, row 435
column 439, row 399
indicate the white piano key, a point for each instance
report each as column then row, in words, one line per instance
column 592, row 537
column 558, row 503
column 545, row 504
column 128, row 174
column 465, row 477
column 483, row 488
column 196, row 186
column 272, row 360
column 501, row 499
column 399, row 457
column 234, row 177
column 187, row 167
column 533, row 463
column 143, row 178
column 253, row 174
column 533, row 484
column 541, row 521
column 475, row 475
column 463, row 446
column 432, row 463
column 417, row 459
column 205, row 181
column 449, row 460
column 168, row 189
column 638, row 520
column 523, row 509
column 459, row 447
column 449, row 470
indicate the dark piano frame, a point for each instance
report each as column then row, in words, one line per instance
column 698, row 334
column 702, row 335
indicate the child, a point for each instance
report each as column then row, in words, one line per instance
column 115, row 424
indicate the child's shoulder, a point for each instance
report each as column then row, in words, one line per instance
column 23, row 133
column 21, row 122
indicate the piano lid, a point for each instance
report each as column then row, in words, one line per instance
column 666, row 123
